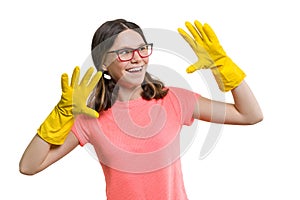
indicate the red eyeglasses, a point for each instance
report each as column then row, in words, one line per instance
column 127, row 54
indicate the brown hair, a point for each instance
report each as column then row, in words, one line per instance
column 105, row 93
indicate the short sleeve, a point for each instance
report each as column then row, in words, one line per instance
column 187, row 101
column 81, row 130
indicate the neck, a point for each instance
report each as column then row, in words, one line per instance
column 127, row 94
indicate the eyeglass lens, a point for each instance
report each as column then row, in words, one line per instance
column 127, row 54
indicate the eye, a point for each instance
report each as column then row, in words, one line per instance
column 124, row 51
column 143, row 48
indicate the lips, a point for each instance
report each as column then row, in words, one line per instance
column 134, row 69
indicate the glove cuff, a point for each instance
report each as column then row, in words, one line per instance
column 228, row 75
column 56, row 127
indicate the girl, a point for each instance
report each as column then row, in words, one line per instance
column 133, row 120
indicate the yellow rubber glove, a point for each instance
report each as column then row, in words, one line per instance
column 212, row 56
column 59, row 122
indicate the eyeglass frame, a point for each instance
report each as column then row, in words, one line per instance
column 133, row 51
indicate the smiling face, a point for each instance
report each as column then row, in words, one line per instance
column 129, row 74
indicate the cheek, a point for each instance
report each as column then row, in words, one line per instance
column 116, row 70
column 146, row 60
column 110, row 60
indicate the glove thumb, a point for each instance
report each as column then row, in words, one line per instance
column 191, row 68
column 200, row 64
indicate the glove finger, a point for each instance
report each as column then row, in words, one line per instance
column 95, row 80
column 200, row 29
column 87, row 76
column 210, row 33
column 197, row 35
column 64, row 82
column 75, row 76
column 90, row 112
column 187, row 38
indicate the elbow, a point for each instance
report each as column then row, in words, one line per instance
column 255, row 119
column 25, row 170
column 26, row 173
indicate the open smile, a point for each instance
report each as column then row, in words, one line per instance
column 134, row 69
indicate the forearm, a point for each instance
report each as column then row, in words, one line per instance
column 246, row 104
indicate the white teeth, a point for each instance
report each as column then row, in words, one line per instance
column 135, row 69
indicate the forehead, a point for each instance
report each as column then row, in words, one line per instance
column 128, row 38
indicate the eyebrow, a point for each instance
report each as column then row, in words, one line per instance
column 127, row 47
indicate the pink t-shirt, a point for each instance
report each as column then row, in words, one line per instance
column 138, row 145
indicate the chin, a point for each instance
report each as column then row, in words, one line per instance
column 131, row 82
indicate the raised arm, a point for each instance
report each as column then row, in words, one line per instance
column 229, row 77
column 53, row 140
column 40, row 154
column 244, row 111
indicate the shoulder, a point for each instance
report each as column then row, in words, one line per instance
column 85, row 123
column 182, row 92
column 181, row 97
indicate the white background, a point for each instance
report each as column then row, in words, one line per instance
column 42, row 39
